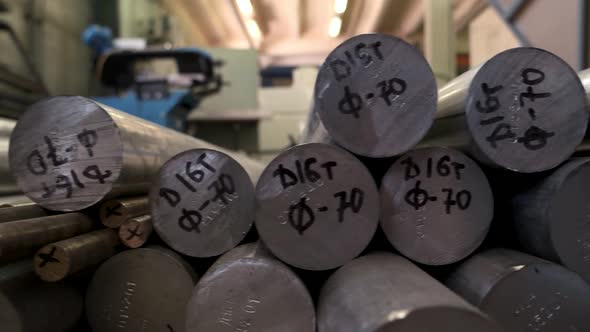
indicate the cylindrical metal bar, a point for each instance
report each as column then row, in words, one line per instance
column 436, row 205
column 317, row 206
column 22, row 237
column 375, row 95
column 115, row 211
column 524, row 110
column 59, row 260
column 249, row 290
column 30, row 305
column 20, row 212
column 7, row 181
column 551, row 218
column 6, row 127
column 202, row 202
column 384, row 292
column 584, row 76
column 135, row 232
column 14, row 200
column 145, row 289
column 522, row 292
column 68, row 153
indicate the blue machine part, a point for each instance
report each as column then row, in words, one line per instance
column 98, row 38
column 169, row 112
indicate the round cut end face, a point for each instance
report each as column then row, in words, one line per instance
column 134, row 233
column 317, row 206
column 569, row 221
column 376, row 95
column 443, row 319
column 66, row 153
column 139, row 290
column 540, row 297
column 526, row 110
column 437, row 205
column 251, row 294
column 52, row 263
column 202, row 203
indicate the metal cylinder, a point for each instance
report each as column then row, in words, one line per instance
column 248, row 290
column 375, row 95
column 68, row 153
column 23, row 237
column 383, row 292
column 115, row 211
column 145, row 289
column 551, row 218
column 30, row 305
column 202, row 202
column 584, row 76
column 7, row 181
column 317, row 206
column 20, row 212
column 58, row 260
column 522, row 292
column 524, row 110
column 135, row 232
column 6, row 127
column 436, row 205
column 13, row 200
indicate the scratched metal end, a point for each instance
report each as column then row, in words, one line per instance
column 66, row 153
column 376, row 95
column 248, row 291
column 526, row 110
column 524, row 293
column 135, row 232
column 317, row 206
column 116, row 211
column 202, row 203
column 559, row 231
column 437, row 205
column 144, row 289
column 385, row 292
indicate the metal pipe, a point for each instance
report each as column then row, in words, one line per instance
column 249, row 290
column 30, row 305
column 115, row 211
column 317, row 206
column 522, row 292
column 375, row 95
column 69, row 153
column 145, row 289
column 135, row 232
column 202, row 202
column 56, row 261
column 436, row 205
column 20, row 212
column 524, row 110
column 385, row 292
column 551, row 217
column 14, row 200
column 6, row 127
column 7, row 181
column 23, row 237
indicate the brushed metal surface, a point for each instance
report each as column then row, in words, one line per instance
column 20, row 212
column 384, row 292
column 249, row 290
column 202, row 203
column 317, row 206
column 436, row 205
column 376, row 95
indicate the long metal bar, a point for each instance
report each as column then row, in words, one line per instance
column 20, row 212
column 202, row 203
column 68, row 153
column 317, row 206
column 375, row 95
column 522, row 292
column 141, row 289
column 7, row 181
column 551, row 218
column 30, row 305
column 524, row 110
column 248, row 289
column 385, row 292
column 115, row 211
column 23, row 237
column 135, row 232
column 436, row 205
column 56, row 261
